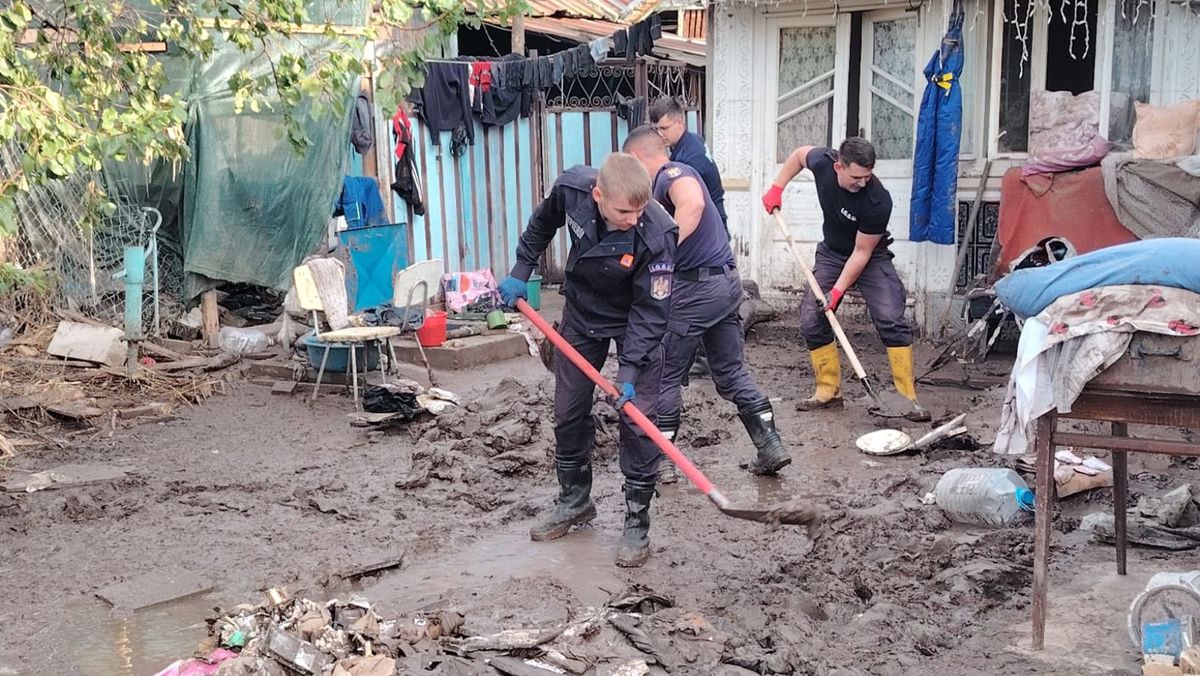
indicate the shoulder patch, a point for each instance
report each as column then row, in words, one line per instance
column 661, row 279
column 672, row 172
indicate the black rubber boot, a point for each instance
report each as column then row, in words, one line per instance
column 635, row 539
column 668, row 424
column 759, row 420
column 574, row 505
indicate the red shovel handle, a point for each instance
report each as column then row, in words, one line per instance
column 689, row 470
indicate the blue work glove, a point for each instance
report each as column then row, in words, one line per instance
column 511, row 289
column 627, row 394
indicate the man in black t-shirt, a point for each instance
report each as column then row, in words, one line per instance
column 853, row 253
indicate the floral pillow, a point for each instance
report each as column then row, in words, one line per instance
column 1164, row 133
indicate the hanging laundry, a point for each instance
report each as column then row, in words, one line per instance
column 402, row 130
column 503, row 104
column 599, row 48
column 636, row 36
column 360, row 202
column 620, row 41
column 632, row 110
column 362, row 125
column 444, row 102
column 407, row 183
column 557, row 68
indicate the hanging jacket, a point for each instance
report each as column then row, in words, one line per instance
column 407, row 184
column 362, row 125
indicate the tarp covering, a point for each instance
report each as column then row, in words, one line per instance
column 246, row 207
column 934, row 210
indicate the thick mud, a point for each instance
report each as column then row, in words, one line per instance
column 253, row 491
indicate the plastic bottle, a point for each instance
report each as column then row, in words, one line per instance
column 990, row 496
column 243, row 341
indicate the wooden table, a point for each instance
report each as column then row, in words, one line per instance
column 1153, row 392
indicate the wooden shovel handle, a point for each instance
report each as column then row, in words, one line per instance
column 816, row 289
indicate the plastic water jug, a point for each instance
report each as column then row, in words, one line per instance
column 243, row 341
column 990, row 496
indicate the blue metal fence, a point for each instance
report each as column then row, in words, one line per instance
column 477, row 204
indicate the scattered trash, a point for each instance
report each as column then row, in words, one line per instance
column 199, row 666
column 893, row 442
column 1170, row 522
column 402, row 402
column 1072, row 474
column 989, row 496
column 1167, row 596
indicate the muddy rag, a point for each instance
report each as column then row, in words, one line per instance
column 1074, row 340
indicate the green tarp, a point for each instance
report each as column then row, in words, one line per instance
column 245, row 207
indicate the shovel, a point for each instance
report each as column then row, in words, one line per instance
column 833, row 322
column 786, row 514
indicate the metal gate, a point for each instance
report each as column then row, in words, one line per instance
column 477, row 204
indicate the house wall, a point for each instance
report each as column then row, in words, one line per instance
column 742, row 85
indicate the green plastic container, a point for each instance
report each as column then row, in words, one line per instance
column 534, row 288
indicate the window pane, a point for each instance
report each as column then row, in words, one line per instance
column 811, row 127
column 1071, row 48
column 1020, row 22
column 806, row 55
column 893, row 69
column 1133, row 42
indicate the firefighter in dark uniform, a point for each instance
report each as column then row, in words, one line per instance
column 854, row 253
column 704, row 304
column 670, row 121
column 618, row 288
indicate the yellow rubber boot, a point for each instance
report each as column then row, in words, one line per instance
column 901, row 359
column 827, row 369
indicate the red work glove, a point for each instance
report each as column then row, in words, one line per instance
column 832, row 299
column 773, row 199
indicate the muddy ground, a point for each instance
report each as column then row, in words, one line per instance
column 253, row 490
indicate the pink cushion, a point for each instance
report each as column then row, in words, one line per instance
column 1164, row 133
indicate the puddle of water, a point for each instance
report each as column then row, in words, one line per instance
column 582, row 561
column 98, row 642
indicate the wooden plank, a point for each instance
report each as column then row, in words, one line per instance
column 162, row 585
column 211, row 314
column 1161, row 446
column 160, row 352
column 188, row 363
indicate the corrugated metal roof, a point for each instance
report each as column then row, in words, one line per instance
column 585, row 30
column 640, row 9
column 577, row 9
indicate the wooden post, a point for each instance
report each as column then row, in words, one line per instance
column 212, row 318
column 518, row 34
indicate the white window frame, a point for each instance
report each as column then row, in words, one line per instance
column 841, row 24
column 1101, row 46
column 902, row 168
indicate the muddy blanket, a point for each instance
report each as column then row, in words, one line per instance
column 1152, row 198
column 1074, row 340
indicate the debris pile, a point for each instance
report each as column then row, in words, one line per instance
column 74, row 373
column 637, row 629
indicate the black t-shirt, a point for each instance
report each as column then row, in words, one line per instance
column 848, row 213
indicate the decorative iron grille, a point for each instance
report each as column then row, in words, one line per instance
column 601, row 87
